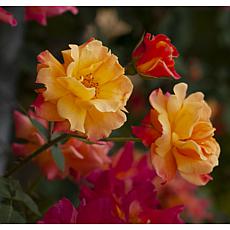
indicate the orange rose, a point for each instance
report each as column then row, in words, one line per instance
column 180, row 134
column 154, row 57
column 89, row 90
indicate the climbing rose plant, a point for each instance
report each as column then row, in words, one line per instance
column 67, row 134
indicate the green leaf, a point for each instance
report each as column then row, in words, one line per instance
column 27, row 201
column 58, row 157
column 41, row 129
column 10, row 216
column 11, row 189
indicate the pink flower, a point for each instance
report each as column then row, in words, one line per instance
column 61, row 213
column 123, row 194
column 7, row 17
column 37, row 13
column 41, row 13
column 129, row 187
column 25, row 130
column 80, row 158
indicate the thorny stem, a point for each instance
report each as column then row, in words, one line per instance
column 60, row 138
column 36, row 153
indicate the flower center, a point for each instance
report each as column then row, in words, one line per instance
column 88, row 82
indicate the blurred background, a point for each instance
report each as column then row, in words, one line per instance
column 202, row 37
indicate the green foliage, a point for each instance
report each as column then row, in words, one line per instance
column 26, row 200
column 13, row 200
column 58, row 157
column 41, row 129
column 9, row 215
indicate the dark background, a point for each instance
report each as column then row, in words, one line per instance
column 201, row 35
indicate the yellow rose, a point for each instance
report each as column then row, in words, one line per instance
column 180, row 134
column 89, row 90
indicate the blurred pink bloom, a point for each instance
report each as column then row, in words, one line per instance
column 25, row 130
column 41, row 13
column 180, row 192
column 7, row 17
column 80, row 158
column 61, row 213
column 37, row 13
column 123, row 194
column 128, row 185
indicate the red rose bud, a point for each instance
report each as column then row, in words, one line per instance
column 154, row 57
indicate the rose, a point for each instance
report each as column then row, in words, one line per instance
column 180, row 134
column 89, row 90
column 154, row 57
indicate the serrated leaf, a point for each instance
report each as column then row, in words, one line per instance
column 27, row 201
column 41, row 129
column 58, row 157
column 10, row 216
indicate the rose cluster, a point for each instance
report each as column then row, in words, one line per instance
column 84, row 98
